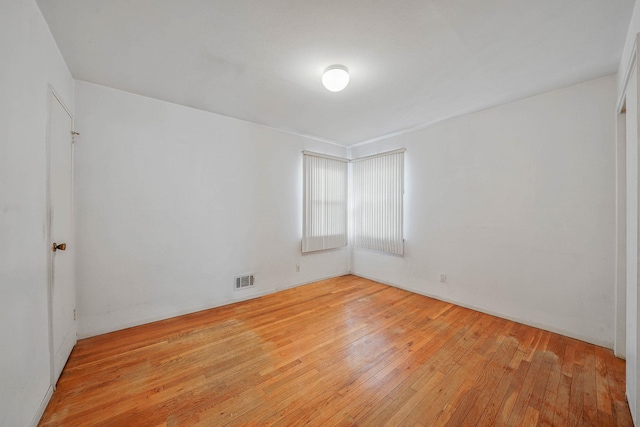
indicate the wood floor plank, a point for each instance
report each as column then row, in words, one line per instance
column 489, row 385
column 555, row 353
column 590, row 404
column 603, row 396
column 576, row 396
column 525, row 392
column 344, row 351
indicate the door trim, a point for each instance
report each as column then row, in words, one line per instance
column 620, row 321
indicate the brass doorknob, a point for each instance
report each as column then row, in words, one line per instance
column 61, row 246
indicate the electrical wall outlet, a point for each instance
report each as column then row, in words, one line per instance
column 297, row 268
column 443, row 277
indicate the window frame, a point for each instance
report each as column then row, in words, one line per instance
column 325, row 201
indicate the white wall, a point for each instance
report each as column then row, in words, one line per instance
column 30, row 62
column 173, row 202
column 516, row 205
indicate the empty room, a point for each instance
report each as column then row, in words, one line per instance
column 277, row 212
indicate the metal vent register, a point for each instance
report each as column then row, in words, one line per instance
column 244, row 282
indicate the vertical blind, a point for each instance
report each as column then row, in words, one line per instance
column 378, row 188
column 325, row 203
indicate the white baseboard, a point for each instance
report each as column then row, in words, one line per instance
column 190, row 310
column 516, row 319
column 42, row 407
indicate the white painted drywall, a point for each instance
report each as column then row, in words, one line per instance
column 516, row 205
column 30, row 62
column 172, row 203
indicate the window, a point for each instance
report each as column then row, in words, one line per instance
column 378, row 188
column 325, row 202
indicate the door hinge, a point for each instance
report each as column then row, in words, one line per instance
column 74, row 314
column 73, row 136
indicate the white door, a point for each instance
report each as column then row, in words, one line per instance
column 62, row 290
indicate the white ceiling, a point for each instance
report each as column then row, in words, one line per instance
column 412, row 62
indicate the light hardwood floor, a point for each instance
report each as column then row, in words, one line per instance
column 343, row 351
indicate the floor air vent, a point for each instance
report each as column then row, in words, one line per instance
column 244, row 282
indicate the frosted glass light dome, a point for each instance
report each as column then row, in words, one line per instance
column 335, row 78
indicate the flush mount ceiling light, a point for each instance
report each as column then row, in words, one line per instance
column 335, row 78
